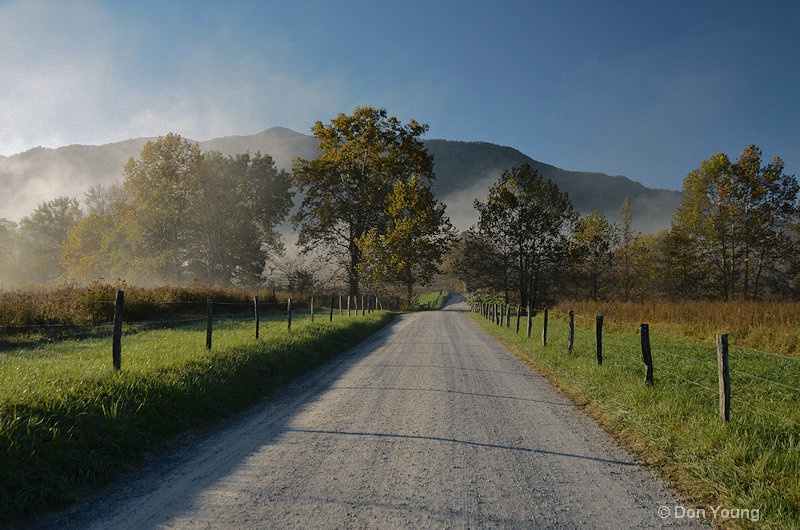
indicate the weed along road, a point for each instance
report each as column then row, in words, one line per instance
column 428, row 424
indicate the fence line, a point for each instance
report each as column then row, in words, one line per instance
column 624, row 362
column 253, row 306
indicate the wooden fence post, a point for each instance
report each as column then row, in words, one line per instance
column 599, row 336
column 519, row 310
column 341, row 312
column 116, row 341
column 723, row 368
column 530, row 320
column 647, row 357
column 312, row 309
column 258, row 319
column 571, row 339
column 544, row 329
column 333, row 299
column 289, row 315
column 209, row 321
column 348, row 305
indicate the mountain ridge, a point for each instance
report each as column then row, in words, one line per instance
column 464, row 172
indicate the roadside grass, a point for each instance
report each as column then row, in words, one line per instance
column 749, row 463
column 69, row 423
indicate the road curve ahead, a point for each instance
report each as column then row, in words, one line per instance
column 429, row 424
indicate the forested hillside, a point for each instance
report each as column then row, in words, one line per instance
column 464, row 171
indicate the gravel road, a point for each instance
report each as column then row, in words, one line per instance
column 428, row 424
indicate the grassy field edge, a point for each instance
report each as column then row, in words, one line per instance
column 55, row 451
column 749, row 463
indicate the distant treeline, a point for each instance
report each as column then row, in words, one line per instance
column 180, row 216
column 735, row 235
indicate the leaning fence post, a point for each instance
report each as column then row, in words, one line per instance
column 255, row 309
column 209, row 322
column 599, row 336
column 519, row 310
column 544, row 329
column 647, row 357
column 723, row 368
column 116, row 341
column 571, row 340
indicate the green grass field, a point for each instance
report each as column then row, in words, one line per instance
column 69, row 423
column 751, row 462
column 432, row 299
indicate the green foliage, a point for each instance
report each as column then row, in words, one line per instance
column 69, row 423
column 183, row 216
column 413, row 244
column 346, row 188
column 633, row 268
column 527, row 221
column 594, row 241
column 734, row 223
column 40, row 238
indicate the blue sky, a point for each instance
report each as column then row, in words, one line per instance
column 645, row 89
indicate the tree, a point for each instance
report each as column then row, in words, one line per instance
column 594, row 241
column 92, row 249
column 482, row 270
column 202, row 216
column 732, row 223
column 529, row 221
column 99, row 245
column 632, row 259
column 8, row 252
column 347, row 187
column 41, row 236
column 237, row 205
column 161, row 187
column 413, row 244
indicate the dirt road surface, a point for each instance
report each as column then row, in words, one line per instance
column 428, row 424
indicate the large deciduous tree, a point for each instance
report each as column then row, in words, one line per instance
column 412, row 246
column 161, row 185
column 529, row 221
column 238, row 203
column 733, row 223
column 346, row 188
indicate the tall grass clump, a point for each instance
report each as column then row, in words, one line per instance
column 69, row 423
column 63, row 310
column 751, row 462
column 763, row 325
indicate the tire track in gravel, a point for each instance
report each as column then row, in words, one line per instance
column 429, row 423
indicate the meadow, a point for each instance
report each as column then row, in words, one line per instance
column 751, row 462
column 69, row 422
